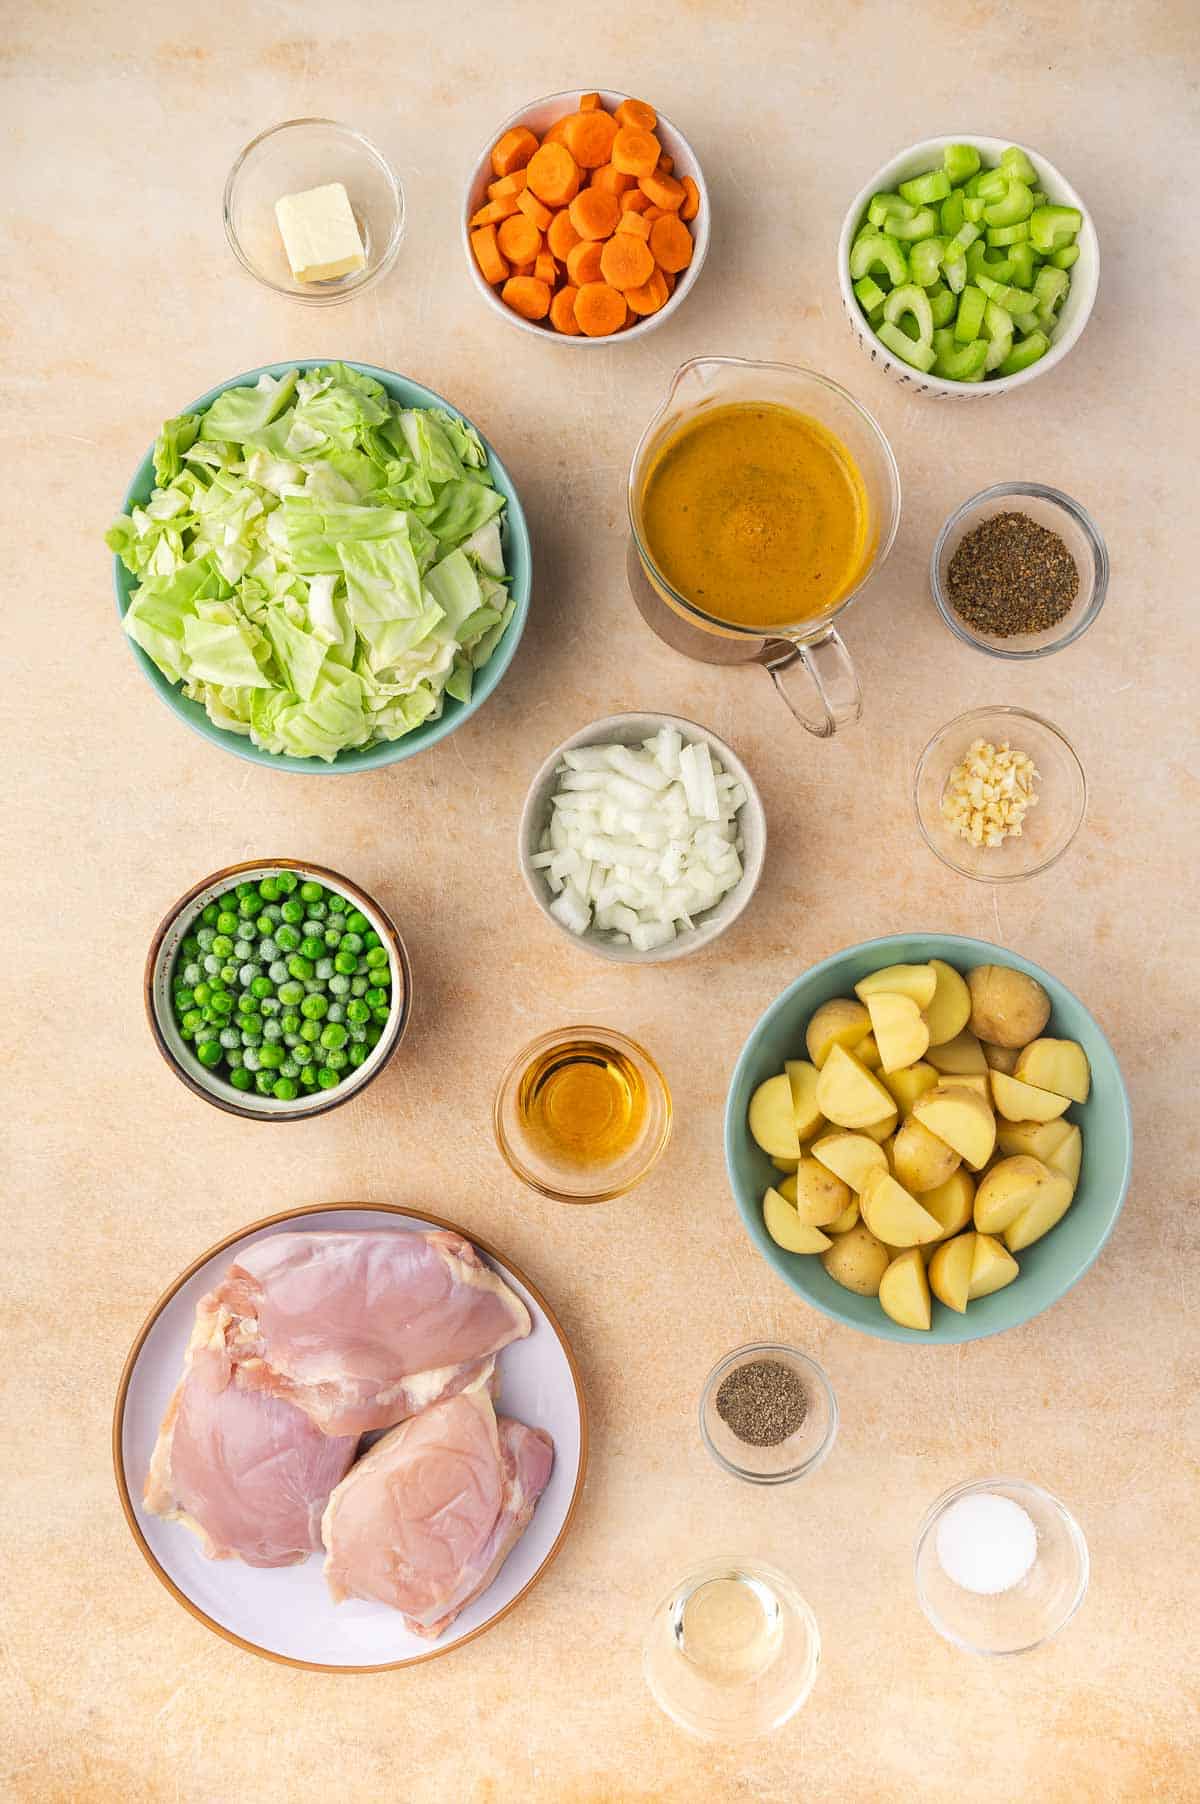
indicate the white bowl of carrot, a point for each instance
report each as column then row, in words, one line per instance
column 586, row 218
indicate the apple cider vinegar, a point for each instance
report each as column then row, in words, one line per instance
column 583, row 1100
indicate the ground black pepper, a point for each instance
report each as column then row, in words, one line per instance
column 1010, row 575
column 762, row 1402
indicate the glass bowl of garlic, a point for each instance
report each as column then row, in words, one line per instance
column 999, row 793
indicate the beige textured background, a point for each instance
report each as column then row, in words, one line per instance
column 121, row 303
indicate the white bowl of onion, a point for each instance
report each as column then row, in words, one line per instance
column 642, row 838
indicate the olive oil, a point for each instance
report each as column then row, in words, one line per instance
column 583, row 1101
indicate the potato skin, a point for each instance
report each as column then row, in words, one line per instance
column 857, row 1261
column 1008, row 1008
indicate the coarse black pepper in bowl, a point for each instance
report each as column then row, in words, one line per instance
column 1019, row 570
column 768, row 1414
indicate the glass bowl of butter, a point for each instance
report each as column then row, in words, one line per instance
column 313, row 210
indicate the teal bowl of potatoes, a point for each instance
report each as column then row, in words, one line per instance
column 962, row 1138
column 322, row 567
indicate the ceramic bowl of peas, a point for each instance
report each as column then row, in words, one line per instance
column 277, row 990
column 968, row 266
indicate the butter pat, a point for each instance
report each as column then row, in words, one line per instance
column 320, row 233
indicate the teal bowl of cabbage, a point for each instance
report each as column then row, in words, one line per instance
column 322, row 567
column 1049, row 1267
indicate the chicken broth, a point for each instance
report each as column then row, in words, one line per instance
column 757, row 515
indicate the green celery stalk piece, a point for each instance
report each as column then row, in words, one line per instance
column 1016, row 163
column 1027, row 322
column 870, row 297
column 1066, row 258
column 1022, row 355
column 955, row 271
column 1013, row 234
column 920, row 356
column 942, row 304
column 923, row 224
column 963, row 239
column 925, row 261
column 913, row 302
column 1050, row 228
column 961, row 162
column 962, row 363
column 992, row 185
column 951, row 213
column 1014, row 205
column 877, row 253
column 973, row 208
column 882, row 206
column 997, row 269
column 1020, row 256
column 972, row 305
column 999, row 346
column 922, row 190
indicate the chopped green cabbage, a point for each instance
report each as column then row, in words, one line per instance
column 317, row 565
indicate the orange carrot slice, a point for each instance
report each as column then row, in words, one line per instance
column 562, row 312
column 526, row 296
column 691, row 199
column 588, row 103
column 513, row 150
column 553, row 175
column 562, row 236
column 636, row 112
column 583, row 263
column 599, row 309
column 495, row 211
column 666, row 163
column 508, row 184
column 661, row 190
column 487, row 255
column 625, row 262
column 589, row 138
column 650, row 297
column 545, row 268
column 534, row 209
column 635, row 223
column 519, row 239
column 670, row 243
column 634, row 201
column 634, row 151
column 613, row 181
column 594, row 213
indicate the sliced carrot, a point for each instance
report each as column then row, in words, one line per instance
column 634, row 151
column 666, row 163
column 652, row 213
column 588, row 103
column 691, row 199
column 554, row 175
column 556, row 133
column 589, row 138
column 562, row 236
column 634, row 201
column 649, row 297
column 613, row 181
column 534, row 209
column 661, row 190
column 583, row 263
column 625, row 262
column 635, row 223
column 523, row 269
column 668, row 276
column 545, row 268
column 562, row 312
column 670, row 242
column 526, row 296
column 495, row 211
column 513, row 150
column 599, row 309
column 508, row 184
column 519, row 239
column 636, row 112
column 594, row 213
column 487, row 254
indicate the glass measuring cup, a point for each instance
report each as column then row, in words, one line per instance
column 807, row 655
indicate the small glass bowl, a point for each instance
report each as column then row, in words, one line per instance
column 1045, row 1600
column 289, row 159
column 802, row 1452
column 1048, row 828
column 535, row 1163
column 1058, row 513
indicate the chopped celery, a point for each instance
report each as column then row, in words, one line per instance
column 961, row 162
column 963, row 239
column 992, row 185
column 1050, row 286
column 1066, row 257
column 1050, row 228
column 876, row 252
column 914, row 302
column 1023, row 354
column 972, row 305
column 973, row 208
column 942, row 304
column 951, row 214
column 923, row 224
column 1013, row 234
column 999, row 345
column 998, row 269
column 1015, row 204
column 962, row 363
column 955, row 271
column 997, row 323
column 920, row 356
column 870, row 297
column 884, row 206
column 925, row 261
column 1026, row 322
column 1016, row 163
column 1020, row 257
column 923, row 189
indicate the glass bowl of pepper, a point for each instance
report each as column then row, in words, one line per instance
column 768, row 1414
column 1019, row 570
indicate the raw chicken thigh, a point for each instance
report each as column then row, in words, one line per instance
column 361, row 1330
column 426, row 1519
column 246, row 1472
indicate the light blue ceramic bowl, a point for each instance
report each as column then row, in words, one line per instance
column 518, row 559
column 1048, row 1268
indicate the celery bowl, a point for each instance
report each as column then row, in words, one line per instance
column 1052, row 1264
column 1076, row 308
column 518, row 563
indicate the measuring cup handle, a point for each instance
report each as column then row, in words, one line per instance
column 826, row 666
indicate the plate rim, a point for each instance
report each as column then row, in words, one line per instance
column 131, row 1360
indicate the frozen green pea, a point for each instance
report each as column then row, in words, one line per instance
column 241, row 1079
column 243, row 949
column 336, row 1012
column 339, row 985
column 268, row 949
column 327, row 1078
column 324, row 969
column 359, row 986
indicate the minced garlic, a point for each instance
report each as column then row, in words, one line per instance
column 989, row 792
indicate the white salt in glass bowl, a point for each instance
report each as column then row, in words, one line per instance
column 631, row 730
column 1032, row 1611
column 539, row 116
column 1076, row 309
